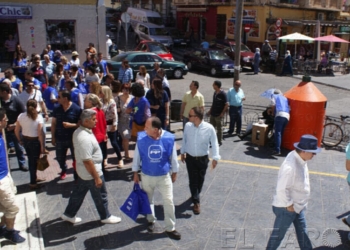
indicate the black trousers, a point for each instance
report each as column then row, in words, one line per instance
column 196, row 168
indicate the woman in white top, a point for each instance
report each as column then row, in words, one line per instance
column 31, row 124
column 110, row 108
column 143, row 75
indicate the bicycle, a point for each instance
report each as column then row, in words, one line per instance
column 334, row 134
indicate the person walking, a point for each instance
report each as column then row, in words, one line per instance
column 287, row 64
column 273, row 60
column 266, row 49
column 281, row 110
column 235, row 98
column 125, row 75
column 218, row 109
column 156, row 150
column 109, row 107
column 256, row 61
column 191, row 99
column 30, row 123
column 65, row 119
column 293, row 194
column 8, row 191
column 198, row 136
column 143, row 75
column 90, row 177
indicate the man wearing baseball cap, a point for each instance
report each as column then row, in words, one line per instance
column 293, row 193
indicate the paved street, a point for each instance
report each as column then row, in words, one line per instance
column 236, row 197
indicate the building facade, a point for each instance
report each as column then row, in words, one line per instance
column 67, row 25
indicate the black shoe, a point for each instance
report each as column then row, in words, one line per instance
column 151, row 226
column 276, row 153
column 240, row 137
column 174, row 235
column 23, row 168
column 14, row 236
column 2, row 232
column 230, row 132
column 220, row 143
column 345, row 222
column 11, row 151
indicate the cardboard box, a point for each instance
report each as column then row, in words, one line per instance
column 259, row 134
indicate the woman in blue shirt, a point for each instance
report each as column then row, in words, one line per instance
column 20, row 66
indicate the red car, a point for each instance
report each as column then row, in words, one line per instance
column 155, row 47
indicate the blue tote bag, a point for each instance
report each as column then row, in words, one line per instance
column 137, row 203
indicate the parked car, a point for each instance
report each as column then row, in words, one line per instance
column 173, row 69
column 213, row 60
column 152, row 32
column 179, row 38
column 228, row 45
column 155, row 47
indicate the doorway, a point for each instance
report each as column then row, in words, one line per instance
column 7, row 27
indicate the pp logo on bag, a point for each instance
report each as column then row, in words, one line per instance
column 155, row 152
column 129, row 203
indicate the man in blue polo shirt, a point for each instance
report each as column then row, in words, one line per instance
column 235, row 97
column 103, row 65
column 65, row 120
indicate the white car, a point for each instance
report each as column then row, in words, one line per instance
column 152, row 32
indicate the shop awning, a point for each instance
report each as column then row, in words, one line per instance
column 245, row 20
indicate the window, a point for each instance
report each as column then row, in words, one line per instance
column 61, row 35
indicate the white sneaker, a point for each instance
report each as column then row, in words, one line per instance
column 71, row 220
column 121, row 163
column 112, row 220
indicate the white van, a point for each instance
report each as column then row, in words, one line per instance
column 153, row 32
column 144, row 16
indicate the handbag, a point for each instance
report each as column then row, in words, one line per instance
column 137, row 203
column 42, row 163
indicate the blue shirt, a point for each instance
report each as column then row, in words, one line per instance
column 15, row 84
column 71, row 115
column 22, row 64
column 196, row 140
column 205, row 45
column 172, row 157
column 104, row 67
column 47, row 97
column 37, row 83
column 125, row 75
column 3, row 159
column 234, row 97
column 51, row 54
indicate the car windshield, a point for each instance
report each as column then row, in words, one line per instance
column 244, row 48
column 217, row 55
column 158, row 32
column 119, row 58
column 157, row 47
column 155, row 20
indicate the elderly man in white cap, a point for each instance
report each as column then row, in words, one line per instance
column 293, row 193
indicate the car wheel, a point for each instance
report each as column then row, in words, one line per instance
column 213, row 71
column 178, row 73
column 189, row 65
column 137, row 40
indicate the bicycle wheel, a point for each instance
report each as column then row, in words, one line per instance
column 332, row 135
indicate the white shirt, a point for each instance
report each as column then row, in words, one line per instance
column 145, row 78
column 30, row 127
column 293, row 185
column 75, row 62
column 24, row 97
column 86, row 148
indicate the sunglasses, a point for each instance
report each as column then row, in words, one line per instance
column 30, row 86
column 191, row 116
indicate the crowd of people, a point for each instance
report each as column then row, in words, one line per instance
column 88, row 106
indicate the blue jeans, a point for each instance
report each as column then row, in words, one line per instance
column 99, row 196
column 283, row 220
column 280, row 124
column 11, row 137
column 32, row 148
column 61, row 153
column 235, row 118
column 113, row 138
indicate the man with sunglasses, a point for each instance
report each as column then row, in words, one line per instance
column 198, row 136
column 39, row 73
column 30, row 78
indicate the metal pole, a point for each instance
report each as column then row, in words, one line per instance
column 126, row 36
column 238, row 35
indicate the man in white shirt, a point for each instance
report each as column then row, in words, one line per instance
column 293, row 193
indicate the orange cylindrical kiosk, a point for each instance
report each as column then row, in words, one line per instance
column 307, row 113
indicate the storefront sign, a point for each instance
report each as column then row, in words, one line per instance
column 193, row 14
column 15, row 12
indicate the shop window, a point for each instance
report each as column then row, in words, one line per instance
column 61, row 35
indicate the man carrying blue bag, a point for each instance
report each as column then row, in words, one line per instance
column 156, row 150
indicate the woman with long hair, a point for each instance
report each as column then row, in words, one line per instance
column 64, row 61
column 31, row 125
column 59, row 73
column 92, row 101
column 75, row 74
column 19, row 50
column 94, row 88
column 159, row 101
column 91, row 75
column 124, row 118
column 116, row 89
column 143, row 75
column 110, row 108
